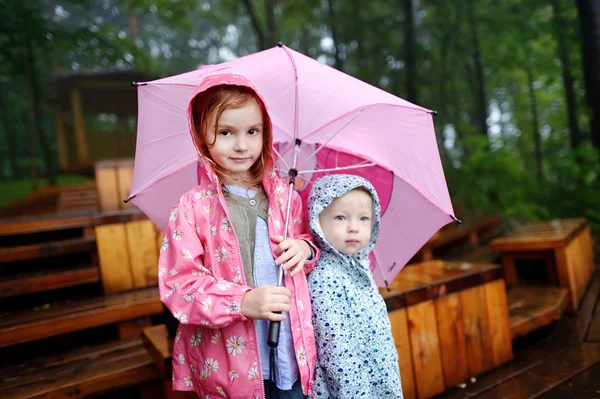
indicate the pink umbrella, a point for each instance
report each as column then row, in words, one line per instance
column 324, row 121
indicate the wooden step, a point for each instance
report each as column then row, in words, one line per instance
column 533, row 307
column 34, row 224
column 47, row 249
column 61, row 318
column 81, row 373
column 48, row 280
column 557, row 368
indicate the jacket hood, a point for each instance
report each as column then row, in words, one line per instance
column 322, row 194
column 233, row 79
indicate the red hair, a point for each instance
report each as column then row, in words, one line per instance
column 216, row 100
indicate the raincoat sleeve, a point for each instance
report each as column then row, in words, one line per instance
column 299, row 232
column 189, row 289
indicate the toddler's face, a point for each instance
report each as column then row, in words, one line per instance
column 346, row 222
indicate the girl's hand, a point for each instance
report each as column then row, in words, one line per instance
column 294, row 254
column 262, row 303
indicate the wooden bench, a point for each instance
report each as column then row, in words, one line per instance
column 450, row 323
column 563, row 246
column 80, row 373
column 533, row 307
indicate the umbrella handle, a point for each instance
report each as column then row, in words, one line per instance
column 274, row 328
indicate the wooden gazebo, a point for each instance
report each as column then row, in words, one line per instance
column 96, row 117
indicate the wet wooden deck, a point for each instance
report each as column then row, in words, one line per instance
column 559, row 362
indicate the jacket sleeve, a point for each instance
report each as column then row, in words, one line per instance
column 190, row 290
column 300, row 233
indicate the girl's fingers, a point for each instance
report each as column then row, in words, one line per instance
column 286, row 256
column 275, row 316
column 298, row 268
column 293, row 261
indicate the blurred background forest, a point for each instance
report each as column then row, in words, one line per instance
column 516, row 83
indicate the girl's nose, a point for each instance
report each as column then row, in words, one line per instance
column 241, row 145
column 353, row 227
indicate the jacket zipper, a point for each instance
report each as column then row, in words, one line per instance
column 243, row 275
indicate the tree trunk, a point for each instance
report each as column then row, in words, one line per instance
column 273, row 32
column 31, row 118
column 133, row 26
column 481, row 99
column 11, row 141
column 410, row 53
column 339, row 64
column 535, row 125
column 36, row 110
column 260, row 35
column 565, row 66
column 589, row 22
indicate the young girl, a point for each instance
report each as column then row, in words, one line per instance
column 220, row 255
column 357, row 357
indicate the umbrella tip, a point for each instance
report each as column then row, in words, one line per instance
column 434, row 113
column 279, row 44
column 133, row 84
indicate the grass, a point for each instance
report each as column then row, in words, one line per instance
column 18, row 189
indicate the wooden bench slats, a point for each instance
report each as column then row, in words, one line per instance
column 48, row 280
column 47, row 249
column 95, row 372
column 68, row 317
column 541, row 235
column 533, row 307
column 23, row 225
column 430, row 280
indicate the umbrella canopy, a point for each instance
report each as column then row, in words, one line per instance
column 333, row 122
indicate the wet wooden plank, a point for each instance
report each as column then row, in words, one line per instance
column 533, row 307
column 498, row 321
column 59, row 319
column 83, row 377
column 540, row 235
column 33, row 224
column 143, row 253
column 593, row 334
column 48, row 280
column 453, row 345
column 555, row 370
column 113, row 255
column 476, row 324
column 585, row 385
column 400, row 332
column 425, row 345
column 47, row 249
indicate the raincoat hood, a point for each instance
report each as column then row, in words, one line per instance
column 322, row 194
column 231, row 79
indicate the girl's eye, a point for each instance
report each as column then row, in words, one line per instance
column 364, row 219
column 340, row 218
column 253, row 132
column 224, row 132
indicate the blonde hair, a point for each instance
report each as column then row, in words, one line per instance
column 216, row 100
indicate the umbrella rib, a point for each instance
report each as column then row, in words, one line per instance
column 331, row 138
column 281, row 158
column 363, row 165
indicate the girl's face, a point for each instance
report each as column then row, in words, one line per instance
column 238, row 140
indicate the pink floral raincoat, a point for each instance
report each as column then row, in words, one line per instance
column 202, row 282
